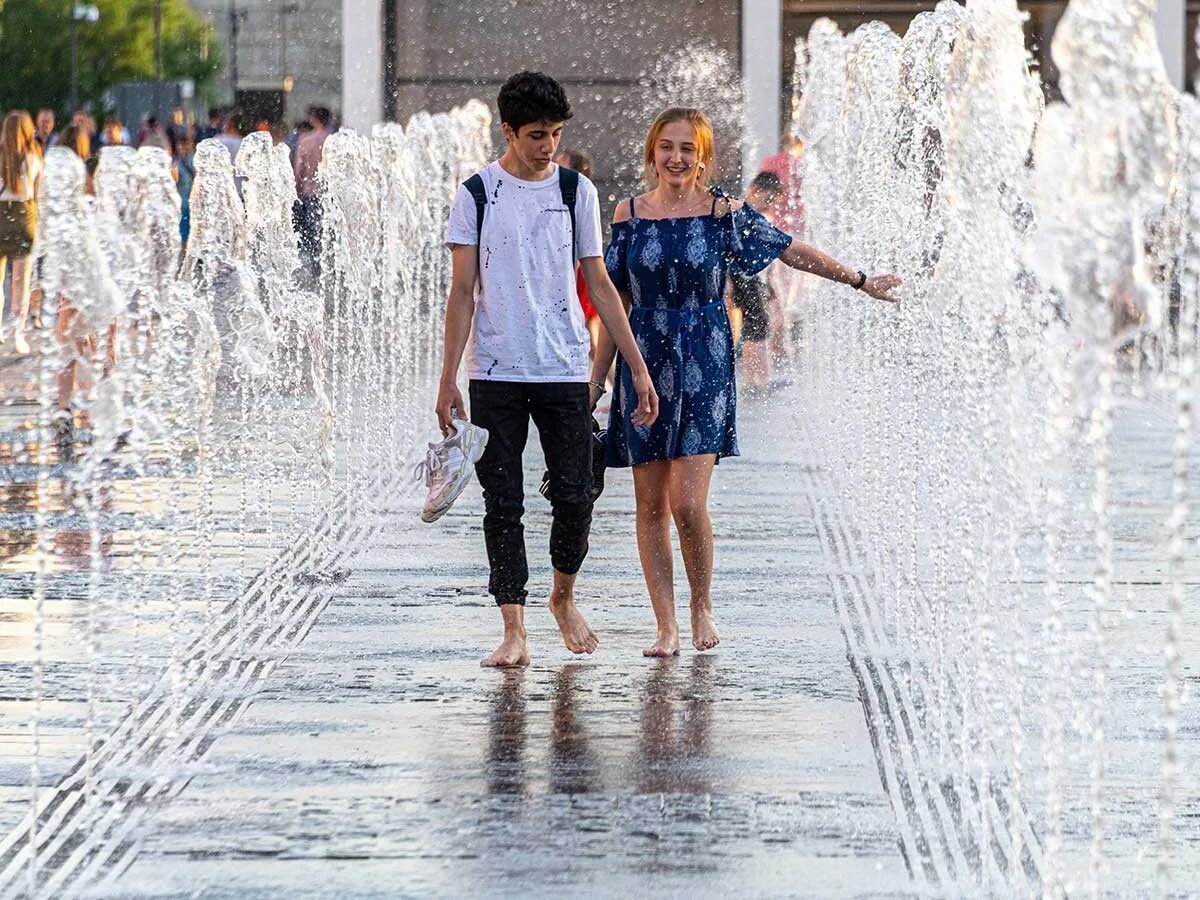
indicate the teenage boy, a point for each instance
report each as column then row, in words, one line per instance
column 512, row 294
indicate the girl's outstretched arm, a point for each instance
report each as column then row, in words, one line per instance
column 807, row 258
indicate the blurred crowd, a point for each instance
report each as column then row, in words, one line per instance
column 25, row 138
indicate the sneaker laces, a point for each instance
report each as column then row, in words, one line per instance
column 429, row 466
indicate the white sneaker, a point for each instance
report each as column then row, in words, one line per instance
column 20, row 344
column 448, row 465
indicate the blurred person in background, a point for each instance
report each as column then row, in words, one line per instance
column 231, row 138
column 152, row 134
column 180, row 123
column 307, row 214
column 231, row 133
column 46, row 138
column 75, row 345
column 299, row 130
column 752, row 298
column 582, row 163
column 45, row 129
column 86, row 123
column 787, row 214
column 213, row 126
column 114, row 134
column 78, row 140
column 20, row 179
column 183, row 162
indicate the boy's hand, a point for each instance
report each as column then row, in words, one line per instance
column 449, row 397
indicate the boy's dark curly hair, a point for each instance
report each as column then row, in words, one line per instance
column 532, row 97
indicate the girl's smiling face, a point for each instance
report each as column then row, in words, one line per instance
column 677, row 156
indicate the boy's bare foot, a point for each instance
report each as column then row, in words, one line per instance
column 511, row 652
column 704, row 630
column 666, row 644
column 576, row 633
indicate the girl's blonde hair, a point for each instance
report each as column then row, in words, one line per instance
column 701, row 128
column 16, row 142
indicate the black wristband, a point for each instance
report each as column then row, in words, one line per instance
column 862, row 280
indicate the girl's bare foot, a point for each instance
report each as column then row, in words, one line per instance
column 704, row 630
column 576, row 633
column 666, row 644
column 511, row 652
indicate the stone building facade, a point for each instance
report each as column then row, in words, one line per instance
column 620, row 63
column 287, row 54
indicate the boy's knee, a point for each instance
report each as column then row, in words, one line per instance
column 503, row 508
column 574, row 508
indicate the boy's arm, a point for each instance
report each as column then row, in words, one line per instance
column 460, row 309
column 616, row 321
column 606, row 350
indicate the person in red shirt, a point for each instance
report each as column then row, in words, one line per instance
column 582, row 163
column 788, row 166
column 788, row 214
column 306, row 215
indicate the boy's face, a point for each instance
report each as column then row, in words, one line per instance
column 536, row 144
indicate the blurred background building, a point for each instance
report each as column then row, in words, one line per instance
column 434, row 53
column 621, row 60
column 281, row 56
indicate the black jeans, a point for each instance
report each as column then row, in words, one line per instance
column 560, row 412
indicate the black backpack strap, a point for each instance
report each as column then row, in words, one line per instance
column 475, row 185
column 568, row 186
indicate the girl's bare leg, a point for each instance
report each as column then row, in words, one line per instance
column 22, row 273
column 651, row 485
column 72, row 350
column 66, row 385
column 690, row 480
column 35, row 305
column 756, row 365
column 3, row 269
column 110, row 358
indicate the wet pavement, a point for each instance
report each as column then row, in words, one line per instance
column 344, row 741
column 380, row 744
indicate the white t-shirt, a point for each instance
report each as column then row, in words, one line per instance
column 528, row 323
column 31, row 168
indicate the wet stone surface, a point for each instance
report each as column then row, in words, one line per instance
column 362, row 752
column 380, row 760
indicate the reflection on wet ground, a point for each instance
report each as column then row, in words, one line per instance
column 506, row 735
column 676, row 725
column 575, row 764
column 676, row 708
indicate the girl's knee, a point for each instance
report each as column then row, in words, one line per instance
column 654, row 512
column 691, row 516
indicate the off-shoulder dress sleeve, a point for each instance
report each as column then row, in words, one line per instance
column 616, row 260
column 756, row 243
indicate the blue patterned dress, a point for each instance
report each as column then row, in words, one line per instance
column 674, row 270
